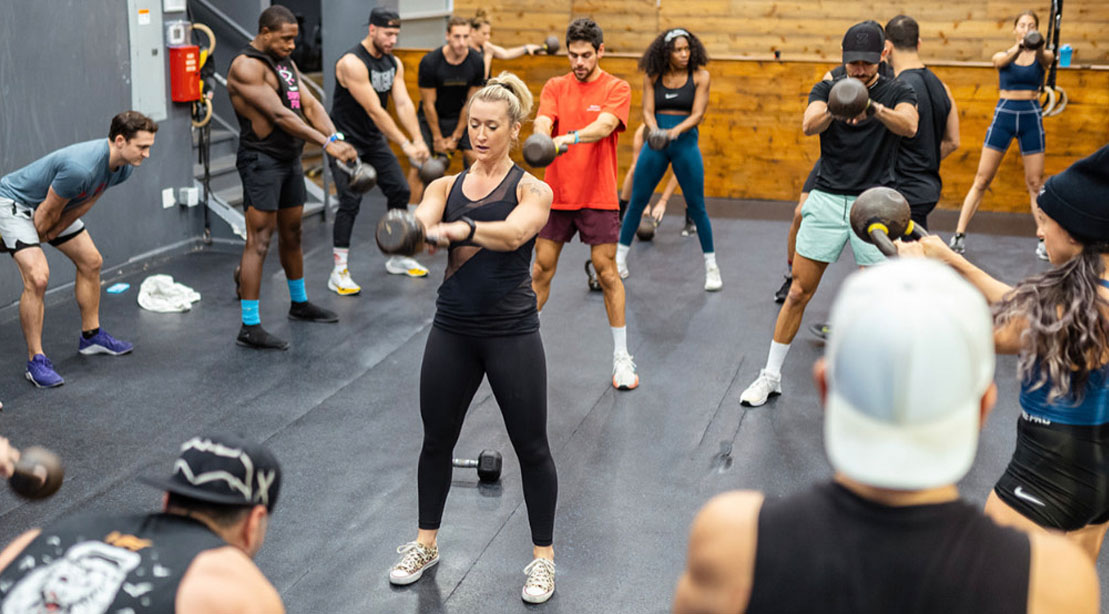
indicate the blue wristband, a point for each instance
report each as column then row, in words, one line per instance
column 577, row 138
column 338, row 136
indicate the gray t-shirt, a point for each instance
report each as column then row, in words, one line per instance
column 77, row 172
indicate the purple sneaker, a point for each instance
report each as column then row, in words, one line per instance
column 103, row 343
column 41, row 373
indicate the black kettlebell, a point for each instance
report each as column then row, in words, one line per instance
column 362, row 176
column 591, row 274
column 880, row 215
column 540, row 151
column 658, row 139
column 400, row 233
column 1033, row 40
column 551, row 45
column 646, row 230
column 848, row 98
column 38, row 473
column 433, row 168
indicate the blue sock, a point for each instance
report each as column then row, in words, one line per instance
column 296, row 290
column 250, row 313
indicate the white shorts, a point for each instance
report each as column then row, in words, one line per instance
column 17, row 227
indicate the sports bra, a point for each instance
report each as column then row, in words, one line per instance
column 1013, row 76
column 677, row 99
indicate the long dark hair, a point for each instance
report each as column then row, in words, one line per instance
column 656, row 59
column 1067, row 329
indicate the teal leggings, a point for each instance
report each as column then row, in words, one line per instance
column 684, row 155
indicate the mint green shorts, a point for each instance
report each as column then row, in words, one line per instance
column 826, row 228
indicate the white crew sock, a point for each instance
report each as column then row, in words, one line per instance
column 339, row 256
column 622, row 253
column 777, row 358
column 619, row 340
column 710, row 260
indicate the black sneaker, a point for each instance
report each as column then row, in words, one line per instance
column 311, row 313
column 690, row 228
column 821, row 330
column 783, row 292
column 254, row 336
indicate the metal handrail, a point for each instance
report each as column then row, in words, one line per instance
column 231, row 23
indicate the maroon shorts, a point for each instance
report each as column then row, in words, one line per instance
column 594, row 226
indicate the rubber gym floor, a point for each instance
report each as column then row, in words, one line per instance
column 340, row 410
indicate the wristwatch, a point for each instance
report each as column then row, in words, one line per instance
column 471, row 224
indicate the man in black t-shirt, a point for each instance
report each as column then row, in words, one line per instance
column 918, row 163
column 856, row 153
column 194, row 556
column 448, row 76
column 365, row 78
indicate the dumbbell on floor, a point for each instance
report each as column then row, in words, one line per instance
column 488, row 465
column 38, row 473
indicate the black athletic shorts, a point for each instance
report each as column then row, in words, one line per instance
column 270, row 184
column 1059, row 474
column 446, row 128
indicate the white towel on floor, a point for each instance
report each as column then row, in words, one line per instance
column 160, row 293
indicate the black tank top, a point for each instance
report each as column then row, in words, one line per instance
column 829, row 550
column 105, row 564
column 918, row 161
column 678, row 99
column 347, row 113
column 485, row 292
column 279, row 144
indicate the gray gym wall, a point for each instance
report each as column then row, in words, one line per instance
column 65, row 72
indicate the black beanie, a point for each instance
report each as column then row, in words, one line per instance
column 1078, row 198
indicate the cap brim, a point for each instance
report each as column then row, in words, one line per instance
column 870, row 57
column 906, row 457
column 192, row 492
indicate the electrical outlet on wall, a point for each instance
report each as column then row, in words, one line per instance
column 168, row 198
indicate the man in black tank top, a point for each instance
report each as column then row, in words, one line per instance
column 365, row 77
column 265, row 91
column 903, row 405
column 937, row 134
column 194, row 556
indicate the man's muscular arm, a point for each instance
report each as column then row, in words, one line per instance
column 601, row 127
column 319, row 119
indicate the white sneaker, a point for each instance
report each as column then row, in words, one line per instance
column 622, row 269
column 341, row 283
column 712, row 279
column 403, row 265
column 541, row 581
column 417, row 558
column 761, row 389
column 623, row 373
column 1041, row 251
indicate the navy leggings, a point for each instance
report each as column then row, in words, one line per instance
column 516, row 366
column 684, row 155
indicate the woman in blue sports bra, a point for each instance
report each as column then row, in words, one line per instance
column 1017, row 115
column 1058, row 322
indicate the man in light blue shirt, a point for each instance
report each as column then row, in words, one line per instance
column 44, row 202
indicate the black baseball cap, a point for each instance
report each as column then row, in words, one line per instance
column 384, row 18
column 864, row 42
column 223, row 468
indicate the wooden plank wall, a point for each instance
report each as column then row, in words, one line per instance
column 752, row 140
column 964, row 30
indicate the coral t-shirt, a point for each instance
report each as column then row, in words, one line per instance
column 585, row 176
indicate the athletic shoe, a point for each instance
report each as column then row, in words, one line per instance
column 341, row 283
column 540, row 583
column 403, row 265
column 761, row 389
column 311, row 313
column 622, row 269
column 41, row 373
column 958, row 243
column 256, row 337
column 712, row 279
column 1041, row 251
column 623, row 373
column 103, row 343
column 821, row 330
column 783, row 292
column 690, row 228
column 417, row 559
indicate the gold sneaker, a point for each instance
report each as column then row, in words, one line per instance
column 541, row 581
column 417, row 558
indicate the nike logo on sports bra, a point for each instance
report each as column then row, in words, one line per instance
column 1018, row 491
column 669, row 96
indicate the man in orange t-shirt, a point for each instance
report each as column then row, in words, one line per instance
column 585, row 110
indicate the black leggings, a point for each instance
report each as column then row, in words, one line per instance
column 390, row 178
column 453, row 368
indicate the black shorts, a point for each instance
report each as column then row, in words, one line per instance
column 810, row 181
column 1059, row 474
column 446, row 128
column 270, row 184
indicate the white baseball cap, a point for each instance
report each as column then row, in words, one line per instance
column 909, row 358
